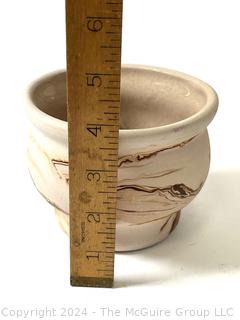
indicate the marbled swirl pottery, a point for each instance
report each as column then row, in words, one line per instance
column 164, row 151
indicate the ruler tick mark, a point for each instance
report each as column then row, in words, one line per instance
column 112, row 32
column 106, row 148
column 112, row 88
column 108, row 100
column 102, row 74
column 102, row 232
column 108, row 18
column 106, row 192
column 91, row 170
column 109, row 47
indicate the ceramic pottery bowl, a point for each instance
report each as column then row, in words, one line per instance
column 164, row 151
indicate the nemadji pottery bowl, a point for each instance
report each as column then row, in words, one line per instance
column 164, row 151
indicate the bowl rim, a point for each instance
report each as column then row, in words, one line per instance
column 190, row 126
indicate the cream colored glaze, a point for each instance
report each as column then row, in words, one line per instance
column 161, row 169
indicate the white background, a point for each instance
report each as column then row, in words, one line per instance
column 199, row 265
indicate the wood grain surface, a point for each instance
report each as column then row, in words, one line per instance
column 94, row 30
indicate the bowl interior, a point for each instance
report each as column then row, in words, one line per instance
column 149, row 98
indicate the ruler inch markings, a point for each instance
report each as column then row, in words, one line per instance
column 93, row 65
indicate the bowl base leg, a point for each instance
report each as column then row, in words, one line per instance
column 147, row 236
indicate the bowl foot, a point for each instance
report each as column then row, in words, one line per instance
column 134, row 237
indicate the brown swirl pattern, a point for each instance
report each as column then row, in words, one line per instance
column 176, row 191
column 62, row 166
column 149, row 204
column 146, row 155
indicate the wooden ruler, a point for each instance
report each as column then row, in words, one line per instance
column 94, row 30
